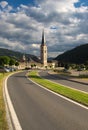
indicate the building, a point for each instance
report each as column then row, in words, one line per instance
column 43, row 50
column 24, row 58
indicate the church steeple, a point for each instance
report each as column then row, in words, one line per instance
column 43, row 47
column 43, row 38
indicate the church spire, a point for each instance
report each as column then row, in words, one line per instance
column 43, row 37
column 43, row 50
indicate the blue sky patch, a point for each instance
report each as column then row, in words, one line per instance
column 81, row 3
column 16, row 3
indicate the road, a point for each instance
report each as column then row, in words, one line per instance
column 55, row 78
column 39, row 109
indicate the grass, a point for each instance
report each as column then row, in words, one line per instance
column 3, row 122
column 65, row 91
column 83, row 76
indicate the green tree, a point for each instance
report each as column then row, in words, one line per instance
column 12, row 62
column 73, row 66
column 66, row 66
column 17, row 63
column 86, row 65
column 82, row 66
column 4, row 60
column 46, row 67
column 1, row 62
column 32, row 65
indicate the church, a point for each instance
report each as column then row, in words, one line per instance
column 43, row 56
column 43, row 50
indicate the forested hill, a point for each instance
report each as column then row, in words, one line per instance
column 77, row 55
column 17, row 55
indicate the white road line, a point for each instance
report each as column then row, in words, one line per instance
column 60, row 95
column 64, row 85
column 68, row 86
column 14, row 117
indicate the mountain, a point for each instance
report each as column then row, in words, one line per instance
column 50, row 59
column 77, row 55
column 17, row 55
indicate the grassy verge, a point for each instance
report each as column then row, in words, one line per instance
column 83, row 76
column 3, row 122
column 68, row 92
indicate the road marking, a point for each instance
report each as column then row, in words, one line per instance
column 60, row 95
column 68, row 86
column 14, row 117
column 64, row 85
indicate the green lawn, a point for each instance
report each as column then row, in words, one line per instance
column 3, row 122
column 65, row 91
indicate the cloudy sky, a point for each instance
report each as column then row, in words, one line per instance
column 22, row 21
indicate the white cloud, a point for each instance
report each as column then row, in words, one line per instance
column 55, row 5
column 65, row 26
column 35, row 46
column 82, row 36
column 3, row 4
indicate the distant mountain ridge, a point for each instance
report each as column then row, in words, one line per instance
column 17, row 55
column 77, row 55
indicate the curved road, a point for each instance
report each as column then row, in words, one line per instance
column 39, row 109
column 57, row 79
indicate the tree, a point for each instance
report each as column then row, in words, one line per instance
column 86, row 65
column 4, row 60
column 1, row 62
column 67, row 66
column 73, row 66
column 32, row 65
column 46, row 67
column 12, row 62
column 82, row 66
column 17, row 63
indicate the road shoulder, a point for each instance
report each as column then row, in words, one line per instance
column 12, row 119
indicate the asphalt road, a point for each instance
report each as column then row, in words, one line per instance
column 39, row 109
column 55, row 78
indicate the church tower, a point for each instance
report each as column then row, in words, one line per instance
column 43, row 48
column 24, row 58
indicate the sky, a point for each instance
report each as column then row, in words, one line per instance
column 65, row 23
